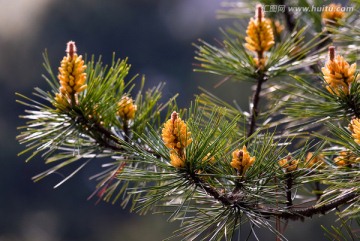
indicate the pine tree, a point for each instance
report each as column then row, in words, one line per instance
column 293, row 155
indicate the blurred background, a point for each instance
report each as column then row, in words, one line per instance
column 157, row 36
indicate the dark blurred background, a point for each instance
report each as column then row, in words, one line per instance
column 157, row 36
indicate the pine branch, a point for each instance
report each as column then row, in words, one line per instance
column 235, row 200
column 214, row 166
column 255, row 104
column 288, row 187
column 103, row 136
column 289, row 16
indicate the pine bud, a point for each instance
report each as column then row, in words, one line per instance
column 126, row 108
column 314, row 161
column 175, row 134
column 61, row 101
column 338, row 74
column 72, row 77
column 176, row 137
column 278, row 27
column 288, row 165
column 260, row 36
column 209, row 159
column 175, row 160
column 354, row 127
column 346, row 158
column 332, row 14
column 241, row 160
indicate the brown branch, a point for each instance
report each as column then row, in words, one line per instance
column 289, row 16
column 289, row 183
column 317, row 190
column 106, row 138
column 255, row 104
column 236, row 200
column 126, row 130
column 354, row 108
column 308, row 212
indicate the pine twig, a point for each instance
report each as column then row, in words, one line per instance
column 255, row 103
column 289, row 183
column 235, row 200
column 289, row 16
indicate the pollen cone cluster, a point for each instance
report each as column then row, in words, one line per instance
column 314, row 161
column 288, row 165
column 260, row 36
column 126, row 108
column 338, row 74
column 241, row 160
column 278, row 27
column 72, row 76
column 346, row 158
column 176, row 137
column 354, row 127
column 209, row 159
column 332, row 14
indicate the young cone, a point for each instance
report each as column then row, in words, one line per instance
column 354, row 127
column 176, row 137
column 338, row 74
column 260, row 36
column 126, row 108
column 241, row 160
column 288, row 165
column 346, row 158
column 332, row 14
column 72, row 76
